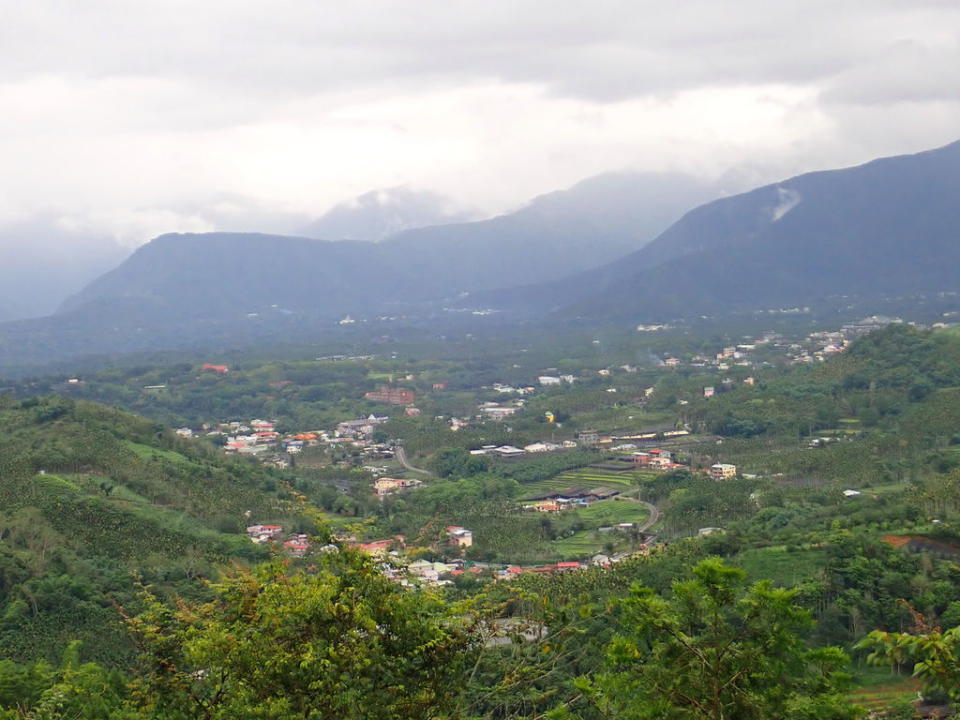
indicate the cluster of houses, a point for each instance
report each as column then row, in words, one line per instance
column 428, row 572
column 815, row 347
column 255, row 438
column 499, row 411
column 297, row 544
column 655, row 459
column 260, row 438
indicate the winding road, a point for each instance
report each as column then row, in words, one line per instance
column 400, row 454
column 652, row 509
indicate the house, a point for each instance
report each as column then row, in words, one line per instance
column 431, row 572
column 600, row 493
column 544, row 506
column 549, row 380
column 708, row 391
column 508, row 451
column 184, row 432
column 297, row 545
column 723, row 471
column 264, row 533
column 540, row 447
column 459, row 536
column 379, row 548
column 219, row 369
column 439, row 386
column 360, row 428
column 498, row 412
column 386, row 486
column 567, row 566
column 411, row 412
column 588, row 438
column 392, row 396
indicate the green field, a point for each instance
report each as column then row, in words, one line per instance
column 588, row 478
column 585, row 543
column 610, row 512
column 145, row 452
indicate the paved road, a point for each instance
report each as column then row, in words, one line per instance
column 401, row 455
column 653, row 509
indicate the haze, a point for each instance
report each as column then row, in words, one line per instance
column 125, row 120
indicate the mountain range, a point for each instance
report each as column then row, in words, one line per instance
column 889, row 227
column 183, row 291
column 879, row 230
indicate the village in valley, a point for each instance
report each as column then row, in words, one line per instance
column 592, row 500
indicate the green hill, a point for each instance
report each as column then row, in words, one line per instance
column 91, row 497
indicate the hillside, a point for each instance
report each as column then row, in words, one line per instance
column 886, row 228
column 89, row 496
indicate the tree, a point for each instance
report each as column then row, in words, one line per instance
column 934, row 653
column 718, row 650
column 457, row 463
column 338, row 641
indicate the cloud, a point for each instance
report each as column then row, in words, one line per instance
column 140, row 117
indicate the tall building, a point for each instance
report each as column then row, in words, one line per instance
column 392, row 396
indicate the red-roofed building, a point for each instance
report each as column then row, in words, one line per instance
column 297, row 548
column 392, row 396
column 459, row 536
column 219, row 369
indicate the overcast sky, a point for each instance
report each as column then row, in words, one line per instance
column 135, row 118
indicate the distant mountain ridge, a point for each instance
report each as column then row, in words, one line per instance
column 378, row 214
column 888, row 227
column 241, row 273
column 884, row 229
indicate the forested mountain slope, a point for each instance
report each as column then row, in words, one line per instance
column 888, row 228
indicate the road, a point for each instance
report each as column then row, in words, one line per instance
column 652, row 509
column 400, row 454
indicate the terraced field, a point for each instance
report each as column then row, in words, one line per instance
column 584, row 543
column 610, row 512
column 588, row 477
